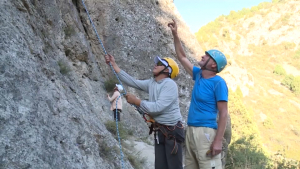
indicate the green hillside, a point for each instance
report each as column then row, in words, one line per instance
column 263, row 47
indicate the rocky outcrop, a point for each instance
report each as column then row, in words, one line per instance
column 53, row 104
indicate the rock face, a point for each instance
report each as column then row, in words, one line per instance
column 53, row 104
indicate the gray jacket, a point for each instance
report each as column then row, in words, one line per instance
column 163, row 103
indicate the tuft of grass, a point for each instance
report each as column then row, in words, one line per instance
column 69, row 31
column 251, row 25
column 135, row 159
column 145, row 140
column 63, row 66
column 111, row 127
column 296, row 132
column 105, row 150
column 268, row 123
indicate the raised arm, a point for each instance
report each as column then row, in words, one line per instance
column 126, row 78
column 188, row 66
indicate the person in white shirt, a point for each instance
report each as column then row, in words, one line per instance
column 116, row 102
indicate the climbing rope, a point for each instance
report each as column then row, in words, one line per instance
column 117, row 125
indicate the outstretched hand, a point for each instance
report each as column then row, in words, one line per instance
column 173, row 26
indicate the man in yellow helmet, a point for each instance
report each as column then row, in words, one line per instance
column 163, row 106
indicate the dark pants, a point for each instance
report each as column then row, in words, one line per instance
column 168, row 153
column 117, row 114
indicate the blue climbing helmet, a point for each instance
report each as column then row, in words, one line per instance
column 218, row 57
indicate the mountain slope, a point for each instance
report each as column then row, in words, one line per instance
column 255, row 41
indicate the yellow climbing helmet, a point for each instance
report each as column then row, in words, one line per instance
column 173, row 65
column 169, row 63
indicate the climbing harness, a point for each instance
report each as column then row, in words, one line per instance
column 148, row 119
column 166, row 130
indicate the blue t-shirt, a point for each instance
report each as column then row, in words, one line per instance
column 205, row 95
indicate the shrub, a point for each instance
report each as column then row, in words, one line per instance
column 279, row 70
column 110, row 84
column 69, row 30
column 281, row 162
column 111, row 127
column 268, row 123
column 226, row 34
column 63, row 66
column 295, row 85
column 296, row 132
column 135, row 159
column 289, row 45
column 285, row 19
column 244, row 154
column 251, row 25
column 105, row 150
column 245, row 150
column 297, row 54
column 239, row 92
column 287, row 81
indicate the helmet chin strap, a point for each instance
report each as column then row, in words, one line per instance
column 161, row 72
column 205, row 68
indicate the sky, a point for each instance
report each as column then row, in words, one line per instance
column 197, row 13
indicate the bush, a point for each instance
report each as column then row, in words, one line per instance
column 297, row 54
column 105, row 150
column 245, row 150
column 289, row 45
column 135, row 160
column 69, row 31
column 63, row 66
column 281, row 162
column 279, row 70
column 268, row 123
column 244, row 154
column 296, row 132
column 287, row 81
column 295, row 85
column 110, row 84
column 285, row 19
column 239, row 92
column 111, row 127
column 226, row 34
column 251, row 25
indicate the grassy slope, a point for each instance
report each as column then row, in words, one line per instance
column 280, row 130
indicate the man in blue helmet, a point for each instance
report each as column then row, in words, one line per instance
column 204, row 135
